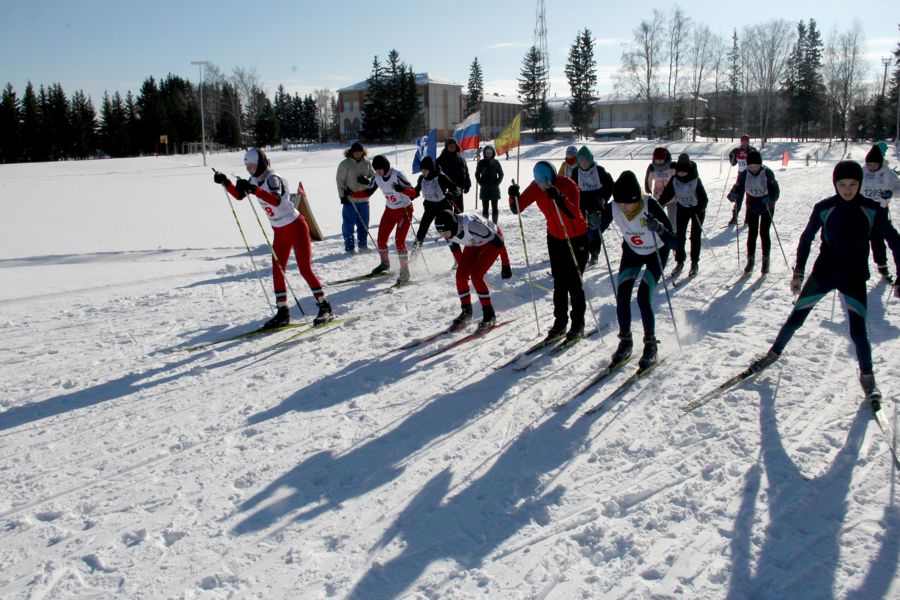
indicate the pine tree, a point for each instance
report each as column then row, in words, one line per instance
column 31, row 125
column 284, row 114
column 114, row 130
column 374, row 113
column 228, row 126
column 309, row 123
column 150, row 117
column 334, row 127
column 10, row 125
column 532, row 87
column 735, row 76
column 582, row 75
column 475, row 89
column 133, row 125
column 55, row 111
column 265, row 126
column 82, row 126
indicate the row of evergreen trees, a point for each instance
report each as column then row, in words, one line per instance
column 47, row 125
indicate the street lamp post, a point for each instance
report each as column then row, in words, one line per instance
column 200, row 64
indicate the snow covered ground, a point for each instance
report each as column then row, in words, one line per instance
column 328, row 468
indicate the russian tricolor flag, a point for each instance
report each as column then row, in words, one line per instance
column 468, row 134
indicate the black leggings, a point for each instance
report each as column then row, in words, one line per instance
column 629, row 269
column 566, row 279
column 431, row 209
column 759, row 223
column 493, row 206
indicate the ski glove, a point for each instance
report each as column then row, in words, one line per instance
column 363, row 180
column 594, row 220
column 221, row 178
column 767, row 201
column 513, row 190
column 243, row 186
column 559, row 200
column 506, row 272
column 654, row 225
column 886, row 194
column 796, row 282
column 732, row 197
column 344, row 200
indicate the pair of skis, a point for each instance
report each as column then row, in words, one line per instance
column 748, row 373
column 603, row 375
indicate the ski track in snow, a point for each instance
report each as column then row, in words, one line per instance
column 327, row 467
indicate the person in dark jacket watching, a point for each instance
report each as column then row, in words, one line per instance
column 454, row 166
column 489, row 175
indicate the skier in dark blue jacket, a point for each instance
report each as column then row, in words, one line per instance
column 847, row 220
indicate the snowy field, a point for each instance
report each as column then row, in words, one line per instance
column 330, row 468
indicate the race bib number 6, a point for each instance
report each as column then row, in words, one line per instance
column 636, row 240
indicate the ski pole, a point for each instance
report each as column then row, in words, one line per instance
column 362, row 223
column 612, row 281
column 722, row 198
column 656, row 242
column 777, row 237
column 247, row 246
column 737, row 242
column 575, row 262
column 276, row 262
column 708, row 241
column 537, row 321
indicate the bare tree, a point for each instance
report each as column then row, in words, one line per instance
column 323, row 110
column 767, row 49
column 639, row 73
column 678, row 29
column 249, row 87
column 704, row 53
column 845, row 69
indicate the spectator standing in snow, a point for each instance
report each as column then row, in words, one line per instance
column 489, row 175
column 557, row 197
column 647, row 237
column 595, row 186
column 482, row 243
column 398, row 212
column 738, row 157
column 686, row 190
column 290, row 228
column 879, row 184
column 354, row 173
column 762, row 192
column 847, row 221
column 454, row 166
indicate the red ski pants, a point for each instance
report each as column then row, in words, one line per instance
column 294, row 235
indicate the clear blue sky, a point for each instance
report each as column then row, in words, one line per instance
column 98, row 45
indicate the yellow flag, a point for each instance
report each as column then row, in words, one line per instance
column 510, row 137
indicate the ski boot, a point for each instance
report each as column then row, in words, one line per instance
column 488, row 318
column 282, row 317
column 679, row 267
column 575, row 332
column 750, row 264
column 557, row 331
column 624, row 350
column 873, row 394
column 403, row 279
column 695, row 268
column 595, row 256
column 883, row 271
column 764, row 361
column 381, row 268
column 506, row 272
column 325, row 315
column 464, row 318
column 650, row 354
column 764, row 268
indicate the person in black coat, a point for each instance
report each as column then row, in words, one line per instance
column 847, row 220
column 454, row 166
column 489, row 175
column 687, row 190
column 762, row 192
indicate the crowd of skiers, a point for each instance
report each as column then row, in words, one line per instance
column 579, row 201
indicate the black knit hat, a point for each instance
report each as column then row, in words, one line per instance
column 754, row 158
column 427, row 163
column 381, row 162
column 627, row 189
column 683, row 163
column 356, row 147
column 445, row 221
column 875, row 155
column 847, row 169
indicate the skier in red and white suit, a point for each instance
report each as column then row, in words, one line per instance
column 398, row 195
column 482, row 243
column 291, row 231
